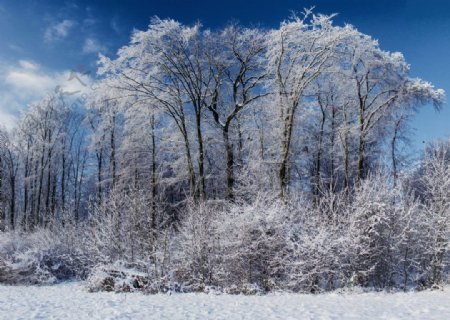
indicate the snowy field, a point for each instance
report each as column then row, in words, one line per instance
column 71, row 301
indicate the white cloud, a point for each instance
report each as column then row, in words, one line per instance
column 26, row 83
column 59, row 30
column 91, row 45
column 30, row 65
column 25, row 79
column 7, row 120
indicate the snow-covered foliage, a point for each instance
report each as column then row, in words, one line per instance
column 380, row 236
column 42, row 257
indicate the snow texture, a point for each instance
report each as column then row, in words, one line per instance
column 72, row 301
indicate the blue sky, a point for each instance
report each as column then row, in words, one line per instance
column 41, row 41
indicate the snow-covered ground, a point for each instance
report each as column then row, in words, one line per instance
column 71, row 301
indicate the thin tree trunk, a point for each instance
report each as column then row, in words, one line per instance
column 63, row 177
column 113, row 150
column 38, row 214
column 201, row 156
column 190, row 163
column 393, row 146
column 47, row 196
column 33, row 196
column 154, row 186
column 53, row 196
column 25, row 186
column 12, row 207
column 99, row 175
column 346, row 156
column 240, row 140
column 80, row 185
column 230, row 163
column 318, row 164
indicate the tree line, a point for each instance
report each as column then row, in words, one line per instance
column 186, row 117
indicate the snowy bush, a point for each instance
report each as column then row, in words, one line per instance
column 435, row 190
column 116, row 277
column 121, row 228
column 380, row 236
column 40, row 258
column 197, row 258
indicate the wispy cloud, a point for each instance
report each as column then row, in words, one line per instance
column 58, row 30
column 114, row 24
column 26, row 82
column 15, row 48
column 89, row 22
column 91, row 45
column 29, row 65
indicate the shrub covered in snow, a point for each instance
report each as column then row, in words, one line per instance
column 380, row 235
column 42, row 257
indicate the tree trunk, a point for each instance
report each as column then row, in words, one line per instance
column 240, row 140
column 47, row 196
column 318, row 164
column 99, row 175
column 332, row 140
column 80, row 185
column 53, row 196
column 393, row 155
column 190, row 163
column 285, row 151
column 344, row 142
column 361, row 147
column 12, row 207
column 113, row 150
column 63, row 177
column 201, row 156
column 38, row 214
column 361, row 159
column 230, row 163
column 25, row 192
column 154, row 186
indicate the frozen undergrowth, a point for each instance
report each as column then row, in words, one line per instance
column 72, row 301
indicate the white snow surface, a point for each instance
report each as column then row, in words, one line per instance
column 72, row 301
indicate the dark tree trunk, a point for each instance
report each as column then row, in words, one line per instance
column 318, row 164
column 12, row 207
column 230, row 163
column 154, row 186
column 113, row 150
column 201, row 155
